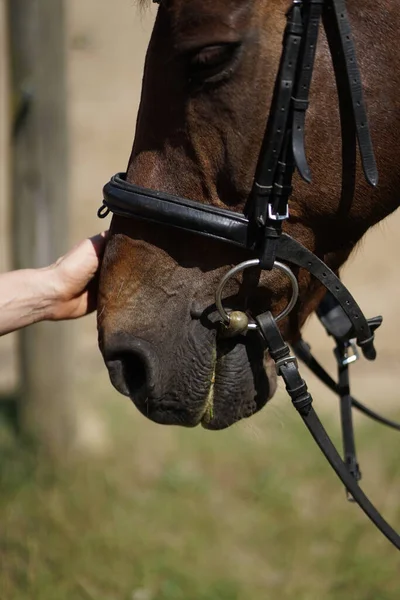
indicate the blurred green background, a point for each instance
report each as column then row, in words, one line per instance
column 174, row 514
column 142, row 512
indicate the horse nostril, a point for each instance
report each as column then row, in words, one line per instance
column 132, row 366
column 135, row 374
column 128, row 371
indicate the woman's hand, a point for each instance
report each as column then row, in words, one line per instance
column 65, row 290
column 74, row 279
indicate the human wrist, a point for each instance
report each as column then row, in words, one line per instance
column 49, row 293
column 26, row 297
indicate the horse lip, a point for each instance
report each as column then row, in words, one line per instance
column 203, row 416
column 208, row 412
column 217, row 414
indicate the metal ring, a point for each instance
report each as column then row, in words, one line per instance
column 255, row 263
column 103, row 211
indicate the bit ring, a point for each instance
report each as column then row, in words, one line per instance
column 247, row 264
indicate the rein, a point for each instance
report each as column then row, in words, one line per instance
column 259, row 229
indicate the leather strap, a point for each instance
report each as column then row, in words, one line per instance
column 346, row 418
column 290, row 250
column 278, row 204
column 132, row 201
column 297, row 389
column 325, row 444
column 337, row 324
column 303, row 352
column 269, row 247
column 286, row 365
column 302, row 91
column 340, row 38
column 278, row 119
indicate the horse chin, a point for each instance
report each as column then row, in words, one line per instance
column 203, row 378
column 239, row 384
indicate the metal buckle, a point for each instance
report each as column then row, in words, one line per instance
column 275, row 216
column 348, row 355
column 283, row 361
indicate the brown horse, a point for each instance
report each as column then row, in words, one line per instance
column 207, row 88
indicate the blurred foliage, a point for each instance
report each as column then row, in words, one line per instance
column 174, row 514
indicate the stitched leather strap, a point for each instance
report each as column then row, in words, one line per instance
column 278, row 119
column 293, row 252
column 313, row 9
column 132, row 201
column 286, row 365
column 340, row 38
column 301, row 399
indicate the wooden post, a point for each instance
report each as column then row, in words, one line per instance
column 40, row 207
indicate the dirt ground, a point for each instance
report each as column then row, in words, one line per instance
column 106, row 46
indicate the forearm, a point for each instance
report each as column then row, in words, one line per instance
column 26, row 297
column 65, row 290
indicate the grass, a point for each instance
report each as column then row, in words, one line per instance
column 172, row 514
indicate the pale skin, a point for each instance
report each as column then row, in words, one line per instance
column 66, row 289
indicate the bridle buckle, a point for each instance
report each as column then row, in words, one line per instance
column 347, row 354
column 276, row 216
column 282, row 362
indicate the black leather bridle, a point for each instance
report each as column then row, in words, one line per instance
column 259, row 229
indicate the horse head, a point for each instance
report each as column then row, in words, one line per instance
column 207, row 89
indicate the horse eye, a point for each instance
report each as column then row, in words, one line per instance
column 212, row 63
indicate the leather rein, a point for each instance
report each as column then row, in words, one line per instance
column 259, row 230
